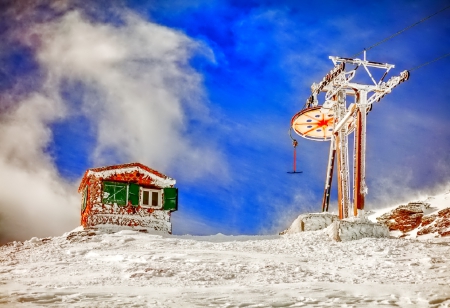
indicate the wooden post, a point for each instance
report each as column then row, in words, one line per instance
column 358, row 198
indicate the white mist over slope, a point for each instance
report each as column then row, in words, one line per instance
column 137, row 91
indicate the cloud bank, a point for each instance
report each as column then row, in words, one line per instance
column 136, row 89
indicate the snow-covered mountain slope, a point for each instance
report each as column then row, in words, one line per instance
column 132, row 269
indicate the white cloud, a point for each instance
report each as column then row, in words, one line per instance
column 34, row 200
column 142, row 87
column 140, row 93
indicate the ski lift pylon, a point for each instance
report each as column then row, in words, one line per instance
column 335, row 119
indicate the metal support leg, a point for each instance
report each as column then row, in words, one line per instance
column 329, row 178
column 360, row 188
column 343, row 165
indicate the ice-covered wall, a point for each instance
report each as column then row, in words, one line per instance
column 355, row 229
column 157, row 220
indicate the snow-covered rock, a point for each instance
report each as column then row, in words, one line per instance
column 428, row 218
column 310, row 222
column 339, row 230
column 437, row 224
column 405, row 217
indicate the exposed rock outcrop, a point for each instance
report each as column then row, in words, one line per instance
column 438, row 224
column 407, row 218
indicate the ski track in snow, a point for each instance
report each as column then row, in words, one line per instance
column 135, row 269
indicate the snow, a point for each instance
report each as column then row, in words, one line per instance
column 340, row 230
column 367, row 225
column 157, row 180
column 355, row 229
column 311, row 222
column 125, row 268
column 128, row 268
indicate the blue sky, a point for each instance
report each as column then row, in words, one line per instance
column 233, row 75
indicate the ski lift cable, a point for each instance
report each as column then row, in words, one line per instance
column 401, row 31
column 429, row 62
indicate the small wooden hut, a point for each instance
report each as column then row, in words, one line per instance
column 131, row 196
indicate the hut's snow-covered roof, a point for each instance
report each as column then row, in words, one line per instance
column 104, row 173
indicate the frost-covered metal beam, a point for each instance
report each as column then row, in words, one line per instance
column 357, row 61
column 386, row 87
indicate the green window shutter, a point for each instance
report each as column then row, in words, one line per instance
column 133, row 194
column 170, row 199
column 114, row 192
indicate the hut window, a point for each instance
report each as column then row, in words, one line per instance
column 151, row 198
column 114, row 192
